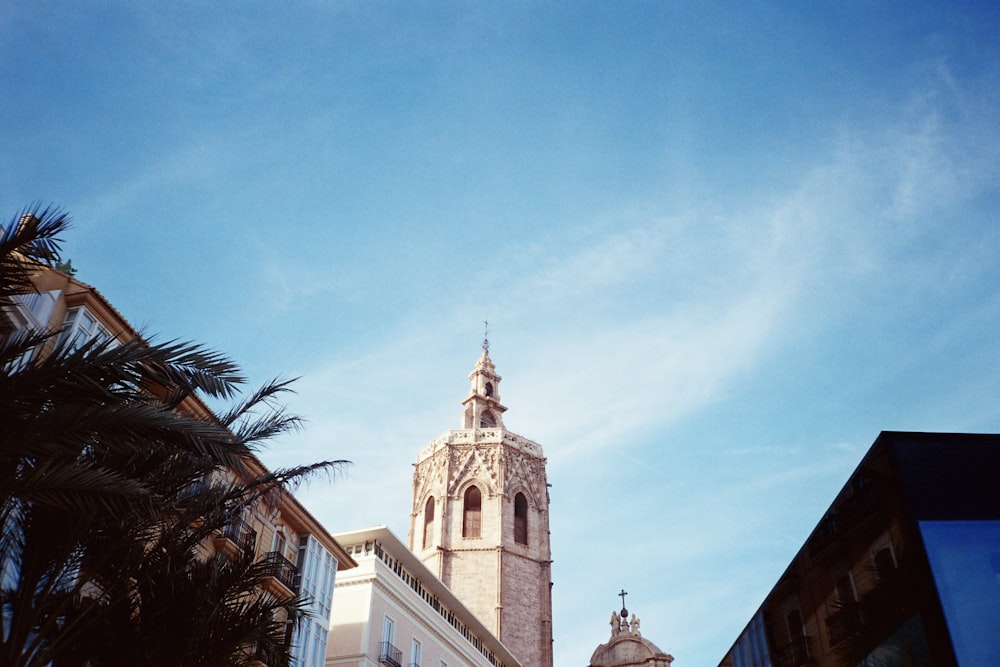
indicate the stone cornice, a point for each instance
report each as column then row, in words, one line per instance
column 485, row 436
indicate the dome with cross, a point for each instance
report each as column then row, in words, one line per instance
column 627, row 647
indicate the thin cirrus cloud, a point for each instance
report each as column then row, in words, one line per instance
column 739, row 287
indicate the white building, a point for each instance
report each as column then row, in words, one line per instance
column 392, row 611
column 317, row 574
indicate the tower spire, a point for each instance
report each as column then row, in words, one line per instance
column 482, row 407
column 480, row 519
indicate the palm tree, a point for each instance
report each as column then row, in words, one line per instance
column 110, row 486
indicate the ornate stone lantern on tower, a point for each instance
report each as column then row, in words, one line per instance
column 480, row 520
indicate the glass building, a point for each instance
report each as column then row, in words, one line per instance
column 902, row 570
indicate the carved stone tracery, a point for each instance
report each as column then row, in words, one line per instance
column 501, row 464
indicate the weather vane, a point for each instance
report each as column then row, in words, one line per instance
column 486, row 336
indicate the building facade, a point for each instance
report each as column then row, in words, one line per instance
column 480, row 520
column 391, row 611
column 301, row 555
column 903, row 570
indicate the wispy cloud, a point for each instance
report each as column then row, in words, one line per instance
column 584, row 380
column 625, row 331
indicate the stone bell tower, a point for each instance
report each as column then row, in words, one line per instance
column 480, row 520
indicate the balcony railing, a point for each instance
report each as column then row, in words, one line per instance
column 796, row 653
column 281, row 570
column 264, row 653
column 826, row 533
column 236, row 538
column 851, row 514
column 857, row 508
column 389, row 655
column 844, row 622
column 240, row 533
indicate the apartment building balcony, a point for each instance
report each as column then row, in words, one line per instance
column 389, row 655
column 796, row 653
column 855, row 516
column 825, row 537
column 263, row 654
column 844, row 623
column 280, row 576
column 236, row 539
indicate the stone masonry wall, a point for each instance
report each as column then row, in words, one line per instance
column 526, row 618
column 472, row 575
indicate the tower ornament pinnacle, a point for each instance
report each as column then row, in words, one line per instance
column 480, row 519
column 482, row 407
column 620, row 623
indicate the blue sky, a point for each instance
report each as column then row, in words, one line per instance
column 720, row 246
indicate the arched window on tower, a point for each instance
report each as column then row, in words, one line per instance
column 472, row 513
column 487, row 420
column 520, row 519
column 489, row 389
column 428, row 522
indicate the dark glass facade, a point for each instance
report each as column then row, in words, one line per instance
column 902, row 570
column 964, row 559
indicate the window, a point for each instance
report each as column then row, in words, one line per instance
column 32, row 310
column 278, row 544
column 80, row 327
column 520, row 519
column 388, row 630
column 844, row 590
column 489, row 388
column 795, row 629
column 884, row 563
column 389, row 654
column 487, row 420
column 428, row 522
column 472, row 513
column 415, row 653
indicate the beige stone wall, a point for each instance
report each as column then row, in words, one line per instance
column 472, row 576
column 526, row 611
column 504, row 583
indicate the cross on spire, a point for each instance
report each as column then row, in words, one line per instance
column 486, row 336
column 624, row 610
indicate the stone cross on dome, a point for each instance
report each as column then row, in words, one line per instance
column 620, row 623
column 627, row 647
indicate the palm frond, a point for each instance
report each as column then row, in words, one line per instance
column 111, row 486
column 29, row 239
column 15, row 346
column 265, row 397
column 79, row 489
